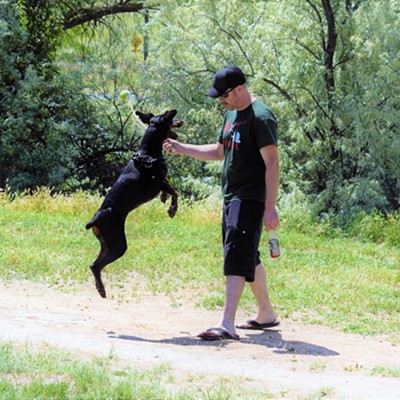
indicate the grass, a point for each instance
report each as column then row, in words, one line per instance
column 385, row 371
column 323, row 275
column 49, row 373
column 52, row 374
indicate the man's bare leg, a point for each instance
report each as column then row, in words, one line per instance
column 259, row 288
column 233, row 292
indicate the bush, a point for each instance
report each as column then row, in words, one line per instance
column 376, row 228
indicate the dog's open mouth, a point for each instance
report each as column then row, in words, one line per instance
column 172, row 135
column 176, row 123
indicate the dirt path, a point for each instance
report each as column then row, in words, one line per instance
column 290, row 361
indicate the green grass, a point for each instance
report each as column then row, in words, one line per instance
column 324, row 275
column 327, row 277
column 385, row 371
column 53, row 374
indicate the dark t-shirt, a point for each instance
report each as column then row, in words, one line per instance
column 243, row 134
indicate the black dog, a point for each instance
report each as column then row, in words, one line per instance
column 142, row 179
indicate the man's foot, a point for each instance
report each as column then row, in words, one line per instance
column 251, row 324
column 217, row 334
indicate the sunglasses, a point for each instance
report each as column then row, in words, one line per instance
column 226, row 94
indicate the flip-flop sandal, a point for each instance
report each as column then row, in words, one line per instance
column 254, row 325
column 217, row 334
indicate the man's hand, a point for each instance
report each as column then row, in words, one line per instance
column 170, row 146
column 271, row 220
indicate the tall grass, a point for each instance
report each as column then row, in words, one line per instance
column 345, row 279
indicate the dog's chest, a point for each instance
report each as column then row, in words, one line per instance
column 135, row 186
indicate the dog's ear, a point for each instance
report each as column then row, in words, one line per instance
column 170, row 114
column 145, row 117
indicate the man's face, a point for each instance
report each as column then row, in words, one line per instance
column 229, row 99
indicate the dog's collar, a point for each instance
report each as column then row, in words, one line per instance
column 143, row 160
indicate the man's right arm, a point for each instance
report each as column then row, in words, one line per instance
column 206, row 152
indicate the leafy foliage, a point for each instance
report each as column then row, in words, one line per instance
column 323, row 67
column 328, row 69
column 52, row 133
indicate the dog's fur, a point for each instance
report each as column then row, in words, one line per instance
column 142, row 179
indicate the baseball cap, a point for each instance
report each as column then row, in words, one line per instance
column 224, row 79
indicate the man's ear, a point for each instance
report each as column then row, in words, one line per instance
column 145, row 117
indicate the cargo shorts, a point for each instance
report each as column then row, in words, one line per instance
column 242, row 223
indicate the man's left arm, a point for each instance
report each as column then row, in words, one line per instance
column 270, row 156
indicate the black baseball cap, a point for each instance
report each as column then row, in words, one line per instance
column 224, row 79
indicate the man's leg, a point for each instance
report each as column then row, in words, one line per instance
column 233, row 292
column 265, row 312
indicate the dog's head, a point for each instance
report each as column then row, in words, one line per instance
column 159, row 128
column 162, row 124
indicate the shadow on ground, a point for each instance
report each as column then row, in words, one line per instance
column 270, row 339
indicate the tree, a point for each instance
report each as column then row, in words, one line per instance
column 328, row 68
column 312, row 62
column 51, row 133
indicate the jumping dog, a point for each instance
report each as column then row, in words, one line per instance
column 142, row 179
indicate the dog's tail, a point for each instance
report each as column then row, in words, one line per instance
column 96, row 220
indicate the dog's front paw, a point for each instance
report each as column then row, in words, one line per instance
column 163, row 197
column 172, row 211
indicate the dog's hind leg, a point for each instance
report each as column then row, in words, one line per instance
column 113, row 246
column 99, row 264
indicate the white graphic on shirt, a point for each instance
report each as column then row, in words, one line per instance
column 235, row 137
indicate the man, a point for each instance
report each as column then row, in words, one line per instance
column 250, row 174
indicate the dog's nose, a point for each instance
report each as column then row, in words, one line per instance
column 176, row 123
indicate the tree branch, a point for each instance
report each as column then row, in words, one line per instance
column 308, row 49
column 283, row 92
column 83, row 15
column 315, row 9
column 300, row 112
column 242, row 50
